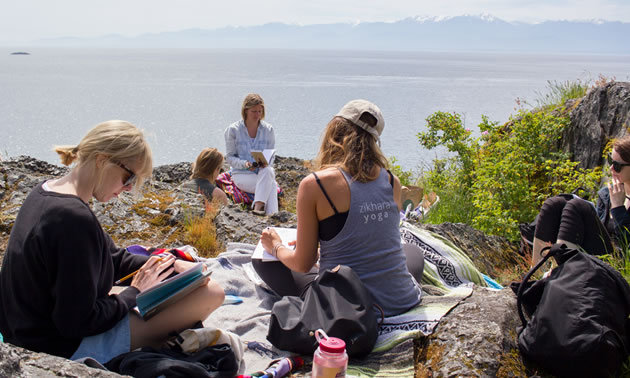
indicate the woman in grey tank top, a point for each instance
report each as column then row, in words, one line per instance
column 349, row 208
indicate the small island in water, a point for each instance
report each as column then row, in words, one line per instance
column 20, row 53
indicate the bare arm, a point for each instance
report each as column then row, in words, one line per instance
column 304, row 256
column 397, row 192
column 220, row 196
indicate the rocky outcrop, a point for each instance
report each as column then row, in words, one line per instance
column 19, row 362
column 237, row 225
column 476, row 339
column 158, row 217
column 604, row 113
column 17, row 177
column 490, row 254
column 128, row 220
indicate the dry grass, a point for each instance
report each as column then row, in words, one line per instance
column 156, row 200
column 603, row 81
column 516, row 272
column 427, row 358
column 201, row 233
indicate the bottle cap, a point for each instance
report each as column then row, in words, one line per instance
column 332, row 345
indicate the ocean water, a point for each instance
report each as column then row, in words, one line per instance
column 184, row 98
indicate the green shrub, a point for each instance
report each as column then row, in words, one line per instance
column 406, row 177
column 500, row 179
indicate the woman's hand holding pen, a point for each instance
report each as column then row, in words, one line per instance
column 271, row 241
column 269, row 238
column 155, row 270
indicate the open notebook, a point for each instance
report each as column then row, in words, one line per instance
column 169, row 291
column 286, row 234
column 265, row 156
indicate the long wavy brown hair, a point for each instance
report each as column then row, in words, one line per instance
column 348, row 146
column 208, row 160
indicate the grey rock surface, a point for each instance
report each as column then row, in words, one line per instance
column 20, row 362
column 154, row 218
column 234, row 224
column 477, row 338
column 144, row 220
column 604, row 113
column 173, row 173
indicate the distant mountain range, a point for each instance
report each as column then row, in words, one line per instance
column 462, row 33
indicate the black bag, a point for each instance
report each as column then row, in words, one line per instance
column 579, row 316
column 212, row 361
column 336, row 302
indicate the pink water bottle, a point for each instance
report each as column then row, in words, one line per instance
column 330, row 359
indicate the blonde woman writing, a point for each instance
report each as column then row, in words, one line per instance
column 60, row 265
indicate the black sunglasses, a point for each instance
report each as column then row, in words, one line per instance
column 617, row 166
column 132, row 176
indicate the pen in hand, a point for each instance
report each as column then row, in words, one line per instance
column 128, row 276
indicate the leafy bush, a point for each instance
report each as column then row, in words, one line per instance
column 500, row 179
column 406, row 177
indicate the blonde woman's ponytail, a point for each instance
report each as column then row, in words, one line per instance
column 119, row 141
column 68, row 154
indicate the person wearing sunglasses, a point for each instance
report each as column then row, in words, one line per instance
column 614, row 199
column 60, row 265
column 577, row 223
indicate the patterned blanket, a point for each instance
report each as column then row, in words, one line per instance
column 225, row 183
column 393, row 353
column 445, row 265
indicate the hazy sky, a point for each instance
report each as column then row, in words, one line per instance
column 23, row 20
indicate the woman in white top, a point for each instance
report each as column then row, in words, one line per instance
column 242, row 137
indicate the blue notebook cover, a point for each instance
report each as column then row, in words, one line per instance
column 152, row 301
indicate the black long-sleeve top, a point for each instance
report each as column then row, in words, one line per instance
column 57, row 273
column 620, row 225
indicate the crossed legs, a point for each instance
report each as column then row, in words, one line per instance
column 263, row 185
column 181, row 315
column 572, row 221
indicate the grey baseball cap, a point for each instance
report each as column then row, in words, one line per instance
column 353, row 110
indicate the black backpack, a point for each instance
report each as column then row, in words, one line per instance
column 336, row 302
column 579, row 316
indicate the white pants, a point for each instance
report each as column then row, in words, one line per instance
column 263, row 185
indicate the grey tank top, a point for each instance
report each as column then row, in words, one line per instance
column 369, row 243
